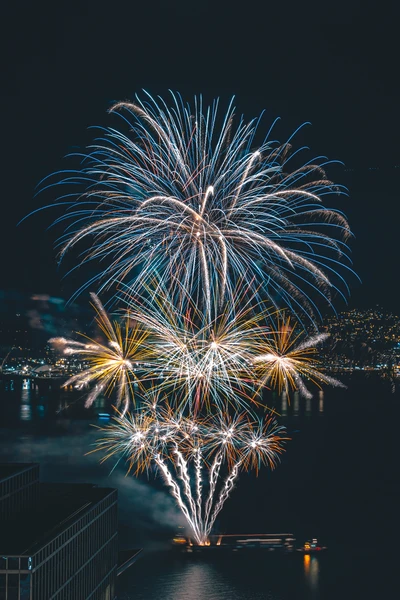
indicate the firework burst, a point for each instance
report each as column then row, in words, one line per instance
column 288, row 360
column 199, row 460
column 203, row 361
column 190, row 194
column 111, row 365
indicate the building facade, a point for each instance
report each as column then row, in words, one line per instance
column 19, row 488
column 66, row 549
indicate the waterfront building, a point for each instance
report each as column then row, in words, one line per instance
column 64, row 546
column 19, row 488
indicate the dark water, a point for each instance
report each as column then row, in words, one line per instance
column 338, row 481
column 335, row 575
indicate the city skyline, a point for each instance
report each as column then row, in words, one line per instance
column 365, row 339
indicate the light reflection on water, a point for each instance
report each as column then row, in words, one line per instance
column 28, row 390
column 321, row 401
column 295, row 404
column 284, row 404
column 311, row 572
column 26, row 412
column 26, row 408
column 245, row 577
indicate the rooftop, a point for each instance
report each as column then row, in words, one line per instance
column 59, row 506
column 10, row 469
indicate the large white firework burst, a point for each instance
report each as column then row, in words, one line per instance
column 189, row 192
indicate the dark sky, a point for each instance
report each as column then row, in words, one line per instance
column 65, row 64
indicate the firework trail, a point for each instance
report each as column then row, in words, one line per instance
column 112, row 365
column 287, row 362
column 202, row 362
column 213, row 480
column 226, row 490
column 152, row 438
column 188, row 193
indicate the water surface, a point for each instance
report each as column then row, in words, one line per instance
column 338, row 481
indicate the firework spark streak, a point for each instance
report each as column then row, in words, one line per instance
column 199, row 486
column 202, row 361
column 112, row 366
column 184, row 459
column 186, row 194
column 176, row 492
column 213, row 480
column 226, row 490
column 287, row 362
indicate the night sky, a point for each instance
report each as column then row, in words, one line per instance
column 63, row 66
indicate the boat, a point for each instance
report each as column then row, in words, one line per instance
column 311, row 547
column 272, row 542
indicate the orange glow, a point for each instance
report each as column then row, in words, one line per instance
column 179, row 540
column 306, row 562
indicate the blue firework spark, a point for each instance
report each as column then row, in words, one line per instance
column 188, row 193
